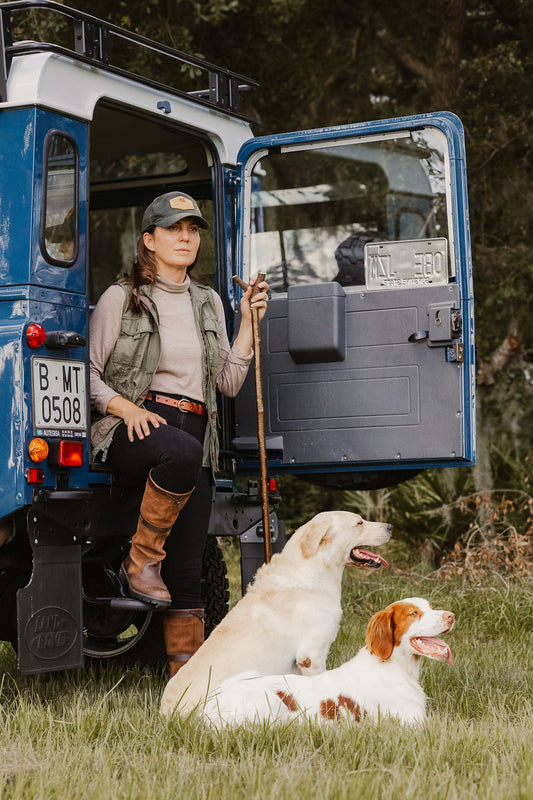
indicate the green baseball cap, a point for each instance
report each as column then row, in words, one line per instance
column 169, row 208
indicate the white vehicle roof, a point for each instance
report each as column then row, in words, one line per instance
column 73, row 88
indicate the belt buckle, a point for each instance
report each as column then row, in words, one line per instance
column 183, row 410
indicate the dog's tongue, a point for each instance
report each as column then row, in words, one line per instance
column 364, row 558
column 432, row 647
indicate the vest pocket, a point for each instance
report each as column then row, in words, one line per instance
column 212, row 325
column 131, row 342
column 136, row 326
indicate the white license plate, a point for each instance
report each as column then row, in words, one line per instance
column 59, row 397
column 406, row 264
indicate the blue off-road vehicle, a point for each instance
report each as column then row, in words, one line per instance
column 367, row 347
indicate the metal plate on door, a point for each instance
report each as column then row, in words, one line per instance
column 406, row 264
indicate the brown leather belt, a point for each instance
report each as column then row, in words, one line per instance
column 188, row 406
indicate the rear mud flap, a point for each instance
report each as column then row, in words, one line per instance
column 49, row 611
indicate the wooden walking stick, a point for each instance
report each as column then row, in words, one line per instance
column 260, row 413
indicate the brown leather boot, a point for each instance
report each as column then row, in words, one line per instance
column 141, row 569
column 184, row 633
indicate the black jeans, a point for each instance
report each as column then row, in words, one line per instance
column 173, row 453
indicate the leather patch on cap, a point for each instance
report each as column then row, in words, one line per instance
column 183, row 203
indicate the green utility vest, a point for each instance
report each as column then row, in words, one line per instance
column 135, row 359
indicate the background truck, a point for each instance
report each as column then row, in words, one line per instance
column 367, row 346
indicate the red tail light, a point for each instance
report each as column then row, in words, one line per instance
column 35, row 335
column 70, row 454
column 35, row 475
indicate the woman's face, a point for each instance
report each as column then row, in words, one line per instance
column 174, row 248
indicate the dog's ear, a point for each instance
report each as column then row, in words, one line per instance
column 314, row 534
column 380, row 634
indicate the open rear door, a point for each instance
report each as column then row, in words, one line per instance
column 368, row 344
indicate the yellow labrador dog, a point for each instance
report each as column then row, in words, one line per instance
column 290, row 613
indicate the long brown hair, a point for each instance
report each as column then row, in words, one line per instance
column 144, row 270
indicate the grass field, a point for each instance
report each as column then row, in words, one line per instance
column 82, row 735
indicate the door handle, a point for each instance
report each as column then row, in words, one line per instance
column 418, row 336
column 445, row 325
column 61, row 340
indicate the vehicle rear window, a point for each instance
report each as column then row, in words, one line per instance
column 60, row 212
column 371, row 212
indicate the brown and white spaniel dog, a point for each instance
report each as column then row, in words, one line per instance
column 382, row 679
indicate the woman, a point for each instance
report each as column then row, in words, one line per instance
column 159, row 352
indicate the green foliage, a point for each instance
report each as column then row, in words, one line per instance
column 429, row 506
column 301, row 500
column 475, row 530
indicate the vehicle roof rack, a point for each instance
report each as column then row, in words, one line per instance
column 92, row 45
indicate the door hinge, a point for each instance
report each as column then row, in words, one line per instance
column 232, row 179
column 456, row 353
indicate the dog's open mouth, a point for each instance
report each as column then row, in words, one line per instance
column 432, row 647
column 364, row 558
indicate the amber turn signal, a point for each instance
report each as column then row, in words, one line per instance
column 38, row 450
